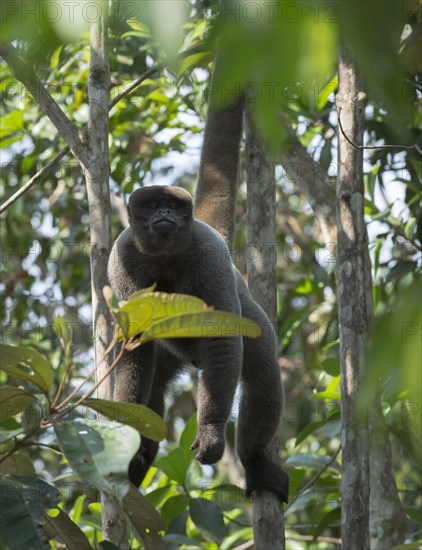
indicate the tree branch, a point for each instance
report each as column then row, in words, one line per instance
column 311, row 180
column 317, row 475
column 25, row 74
column 36, row 177
column 415, row 146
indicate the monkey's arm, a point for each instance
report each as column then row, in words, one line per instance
column 135, row 371
column 220, row 359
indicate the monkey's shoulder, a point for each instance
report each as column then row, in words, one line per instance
column 208, row 239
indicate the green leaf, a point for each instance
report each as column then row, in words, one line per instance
column 63, row 331
column 17, row 464
column 188, row 435
column 207, row 516
column 32, row 416
column 146, row 521
column 228, row 492
column 410, row 227
column 140, row 417
column 26, row 363
column 23, row 501
column 309, row 460
column 207, row 324
column 138, row 26
column 173, row 507
column 6, row 435
column 300, row 501
column 158, row 97
column 377, row 252
column 304, row 287
column 193, row 61
column 328, row 89
column 331, row 391
column 161, row 315
column 331, row 365
column 334, row 395
column 11, row 123
column 175, row 541
column 13, row 401
column 313, row 426
column 72, row 536
column 332, row 517
column 99, row 452
column 178, row 525
column 55, row 57
column 175, row 465
column 158, row 496
column 307, row 430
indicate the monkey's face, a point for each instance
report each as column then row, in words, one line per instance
column 160, row 218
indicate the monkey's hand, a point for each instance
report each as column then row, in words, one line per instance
column 210, row 442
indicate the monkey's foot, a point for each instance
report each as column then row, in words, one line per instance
column 210, row 442
column 141, row 462
column 262, row 474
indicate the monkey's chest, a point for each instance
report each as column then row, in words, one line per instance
column 168, row 277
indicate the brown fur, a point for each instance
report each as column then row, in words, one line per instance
column 215, row 197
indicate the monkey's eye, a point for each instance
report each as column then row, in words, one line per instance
column 154, row 206
column 173, row 206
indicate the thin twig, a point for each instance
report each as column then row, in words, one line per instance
column 34, row 180
column 61, row 384
column 415, row 146
column 331, row 540
column 94, row 370
column 317, row 475
column 38, row 444
column 135, row 84
column 98, row 383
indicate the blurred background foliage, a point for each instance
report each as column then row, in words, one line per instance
column 286, row 52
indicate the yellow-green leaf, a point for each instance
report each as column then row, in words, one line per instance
column 205, row 324
column 196, row 60
column 62, row 329
column 145, row 308
column 11, row 123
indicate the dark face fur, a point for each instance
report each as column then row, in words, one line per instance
column 160, row 218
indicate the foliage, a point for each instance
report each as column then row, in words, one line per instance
column 97, row 450
column 291, row 54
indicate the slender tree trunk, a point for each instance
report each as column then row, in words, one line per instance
column 352, row 307
column 97, row 173
column 268, row 514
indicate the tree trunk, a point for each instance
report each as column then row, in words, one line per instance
column 268, row 515
column 352, row 307
column 97, row 173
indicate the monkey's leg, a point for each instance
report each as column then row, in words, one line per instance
column 166, row 367
column 260, row 407
column 220, row 362
column 134, row 375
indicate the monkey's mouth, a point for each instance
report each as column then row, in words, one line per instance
column 164, row 223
